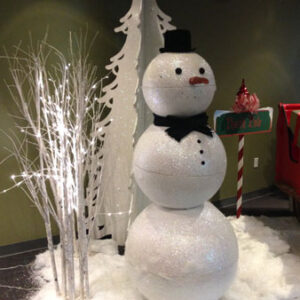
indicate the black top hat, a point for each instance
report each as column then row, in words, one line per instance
column 178, row 40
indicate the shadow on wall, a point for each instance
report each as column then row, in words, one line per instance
column 270, row 162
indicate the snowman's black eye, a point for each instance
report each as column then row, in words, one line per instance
column 201, row 71
column 178, row 71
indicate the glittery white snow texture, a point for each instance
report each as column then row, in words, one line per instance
column 182, row 254
column 179, row 175
column 191, row 253
column 267, row 269
column 169, row 93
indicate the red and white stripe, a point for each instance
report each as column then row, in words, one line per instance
column 240, row 176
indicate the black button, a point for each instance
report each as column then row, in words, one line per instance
column 201, row 151
column 178, row 71
column 203, row 162
column 198, row 141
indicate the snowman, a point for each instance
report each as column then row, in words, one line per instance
column 180, row 247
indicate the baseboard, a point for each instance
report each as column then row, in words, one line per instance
column 231, row 202
column 228, row 206
column 26, row 246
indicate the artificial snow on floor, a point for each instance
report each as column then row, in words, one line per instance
column 267, row 270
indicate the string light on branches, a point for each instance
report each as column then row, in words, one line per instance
column 62, row 125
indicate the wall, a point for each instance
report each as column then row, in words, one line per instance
column 19, row 219
column 258, row 40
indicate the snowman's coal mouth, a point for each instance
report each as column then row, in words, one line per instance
column 172, row 175
column 198, row 80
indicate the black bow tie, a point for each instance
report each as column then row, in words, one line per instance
column 179, row 127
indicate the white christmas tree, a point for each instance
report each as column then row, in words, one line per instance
column 144, row 25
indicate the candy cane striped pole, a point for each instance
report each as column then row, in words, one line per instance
column 240, row 176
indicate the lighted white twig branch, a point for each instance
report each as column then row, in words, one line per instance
column 60, row 152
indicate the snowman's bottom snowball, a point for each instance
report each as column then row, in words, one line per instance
column 181, row 254
column 208, row 287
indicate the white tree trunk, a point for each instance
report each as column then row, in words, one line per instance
column 51, row 251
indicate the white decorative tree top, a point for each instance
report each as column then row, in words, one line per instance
column 143, row 25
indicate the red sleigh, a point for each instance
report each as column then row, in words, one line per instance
column 288, row 153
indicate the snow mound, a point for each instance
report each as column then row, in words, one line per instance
column 267, row 270
column 107, row 275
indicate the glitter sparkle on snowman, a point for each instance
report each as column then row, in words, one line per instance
column 181, row 246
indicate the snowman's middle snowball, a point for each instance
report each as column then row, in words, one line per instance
column 178, row 175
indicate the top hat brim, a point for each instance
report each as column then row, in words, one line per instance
column 164, row 50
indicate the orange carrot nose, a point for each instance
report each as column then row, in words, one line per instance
column 198, row 80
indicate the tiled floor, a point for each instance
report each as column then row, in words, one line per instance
column 273, row 203
column 15, row 270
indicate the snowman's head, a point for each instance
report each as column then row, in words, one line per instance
column 178, row 84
